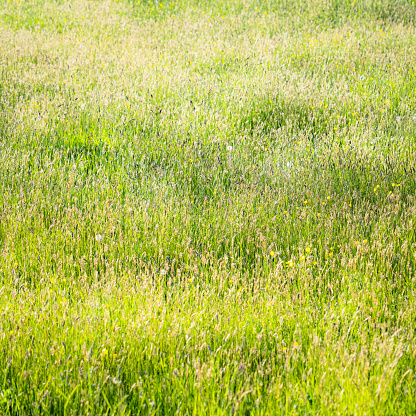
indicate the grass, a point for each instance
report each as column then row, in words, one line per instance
column 207, row 207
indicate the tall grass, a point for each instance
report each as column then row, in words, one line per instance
column 207, row 207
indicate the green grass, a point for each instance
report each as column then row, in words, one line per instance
column 207, row 207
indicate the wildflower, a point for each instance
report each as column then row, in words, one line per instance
column 302, row 258
column 64, row 300
column 114, row 356
column 11, row 333
column 229, row 148
column 272, row 253
column 331, row 254
column 308, row 249
column 284, row 349
column 362, row 77
column 290, row 263
column 99, row 237
column 104, row 352
column 289, row 164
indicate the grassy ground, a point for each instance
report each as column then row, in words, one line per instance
column 207, row 207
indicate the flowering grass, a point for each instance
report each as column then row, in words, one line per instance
column 207, row 207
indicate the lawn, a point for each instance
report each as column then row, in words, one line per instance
column 207, row 207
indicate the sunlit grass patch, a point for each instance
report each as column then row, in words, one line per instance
column 207, row 207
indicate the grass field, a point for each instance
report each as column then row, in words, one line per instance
column 207, row 207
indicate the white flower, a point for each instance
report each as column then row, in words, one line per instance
column 289, row 164
column 99, row 237
column 229, row 148
column 398, row 119
column 163, row 272
column 362, row 77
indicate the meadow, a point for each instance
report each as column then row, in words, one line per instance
column 207, row 207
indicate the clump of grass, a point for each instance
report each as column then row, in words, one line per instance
column 207, row 207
